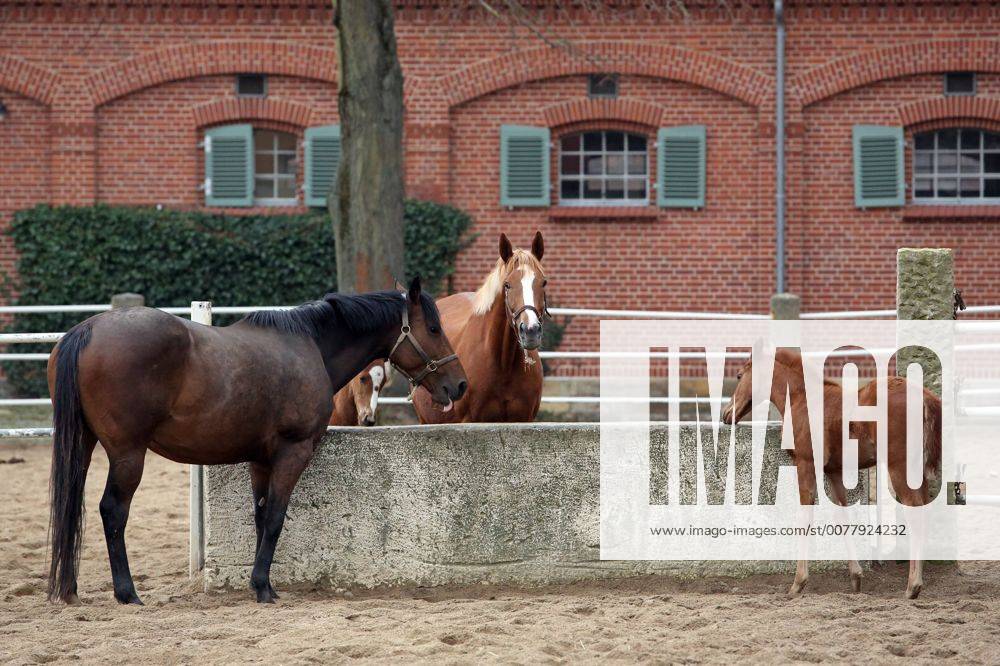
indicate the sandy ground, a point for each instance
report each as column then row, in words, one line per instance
column 651, row 619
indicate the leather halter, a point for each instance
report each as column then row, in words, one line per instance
column 514, row 314
column 430, row 365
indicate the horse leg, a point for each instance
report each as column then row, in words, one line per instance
column 285, row 471
column 914, row 498
column 806, row 474
column 124, row 475
column 840, row 496
column 260, row 476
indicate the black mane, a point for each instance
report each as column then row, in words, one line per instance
column 359, row 313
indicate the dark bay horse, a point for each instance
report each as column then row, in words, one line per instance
column 357, row 403
column 788, row 380
column 258, row 391
column 496, row 332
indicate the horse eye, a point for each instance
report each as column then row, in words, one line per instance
column 435, row 330
column 364, row 380
column 545, row 283
column 506, row 285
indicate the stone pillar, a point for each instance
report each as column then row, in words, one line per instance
column 925, row 290
column 785, row 306
column 127, row 300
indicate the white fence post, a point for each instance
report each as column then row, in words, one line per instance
column 201, row 313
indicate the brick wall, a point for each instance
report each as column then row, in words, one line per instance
column 108, row 101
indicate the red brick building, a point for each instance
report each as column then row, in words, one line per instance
column 654, row 183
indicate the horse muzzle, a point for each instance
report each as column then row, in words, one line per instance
column 530, row 337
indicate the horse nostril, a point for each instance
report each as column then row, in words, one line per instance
column 522, row 327
column 462, row 386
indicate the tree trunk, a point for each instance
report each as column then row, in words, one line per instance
column 368, row 209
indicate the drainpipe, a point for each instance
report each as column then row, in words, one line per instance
column 779, row 144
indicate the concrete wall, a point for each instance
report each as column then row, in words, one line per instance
column 435, row 505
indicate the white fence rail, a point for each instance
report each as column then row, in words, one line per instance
column 52, row 337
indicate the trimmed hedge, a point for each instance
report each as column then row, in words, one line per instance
column 86, row 254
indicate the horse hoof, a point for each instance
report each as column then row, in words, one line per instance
column 914, row 591
column 273, row 593
column 72, row 600
column 265, row 598
column 797, row 588
column 856, row 583
column 129, row 599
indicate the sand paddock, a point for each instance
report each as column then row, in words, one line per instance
column 651, row 619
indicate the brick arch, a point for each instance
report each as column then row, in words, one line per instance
column 628, row 110
column 945, row 108
column 893, row 62
column 226, row 110
column 665, row 62
column 29, row 80
column 211, row 58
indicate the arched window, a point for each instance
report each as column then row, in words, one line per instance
column 603, row 168
column 956, row 166
column 274, row 168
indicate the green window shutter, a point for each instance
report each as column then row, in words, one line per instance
column 524, row 166
column 229, row 166
column 680, row 167
column 878, row 166
column 322, row 160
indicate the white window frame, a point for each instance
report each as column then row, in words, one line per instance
column 603, row 153
column 958, row 175
column 274, row 176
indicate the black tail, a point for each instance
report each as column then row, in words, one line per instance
column 68, row 466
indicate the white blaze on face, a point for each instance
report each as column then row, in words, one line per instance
column 377, row 374
column 527, row 286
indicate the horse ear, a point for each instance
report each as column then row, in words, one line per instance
column 506, row 249
column 538, row 246
column 397, row 285
column 413, row 293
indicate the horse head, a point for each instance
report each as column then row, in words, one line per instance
column 365, row 389
column 422, row 352
column 524, row 284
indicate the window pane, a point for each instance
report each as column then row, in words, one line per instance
column 924, row 188
column 637, row 188
column 592, row 141
column 594, row 165
column 947, row 138
column 637, row 164
column 571, row 142
column 970, row 139
column 992, row 187
column 924, row 162
column 570, row 165
column 970, row 187
column 263, row 188
column 263, row 139
column 286, row 141
column 924, row 140
column 615, row 141
column 615, row 188
column 592, row 188
column 970, row 163
column 991, row 141
column 263, row 163
column 991, row 163
column 947, row 162
column 570, row 189
column 947, row 187
column 636, row 142
column 286, row 188
column 615, row 165
column 286, row 164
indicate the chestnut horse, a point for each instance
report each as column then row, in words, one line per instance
column 258, row 391
column 356, row 403
column 496, row 332
column 788, row 379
